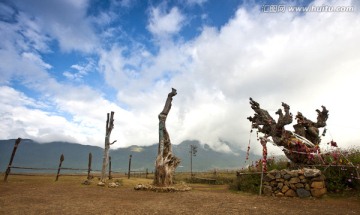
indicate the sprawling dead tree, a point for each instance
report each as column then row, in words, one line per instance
column 166, row 162
column 299, row 146
column 109, row 127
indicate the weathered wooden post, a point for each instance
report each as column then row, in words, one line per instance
column 110, row 177
column 193, row 150
column 17, row 142
column 62, row 158
column 58, row 172
column 89, row 166
column 129, row 166
column 146, row 173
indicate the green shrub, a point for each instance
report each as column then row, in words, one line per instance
column 345, row 175
column 338, row 156
column 247, row 183
column 340, row 178
column 277, row 163
column 353, row 155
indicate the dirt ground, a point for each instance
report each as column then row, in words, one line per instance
column 42, row 195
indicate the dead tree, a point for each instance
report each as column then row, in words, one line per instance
column 166, row 162
column 299, row 146
column 108, row 129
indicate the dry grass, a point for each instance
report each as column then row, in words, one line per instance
column 42, row 195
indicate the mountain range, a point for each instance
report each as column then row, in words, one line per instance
column 47, row 155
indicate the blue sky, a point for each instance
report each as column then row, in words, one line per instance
column 65, row 64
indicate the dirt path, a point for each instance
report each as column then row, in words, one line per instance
column 41, row 195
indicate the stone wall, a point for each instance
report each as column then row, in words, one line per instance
column 294, row 183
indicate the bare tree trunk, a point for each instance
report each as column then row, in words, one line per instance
column 110, row 176
column 109, row 127
column 166, row 162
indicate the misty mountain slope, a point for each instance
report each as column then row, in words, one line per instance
column 47, row 155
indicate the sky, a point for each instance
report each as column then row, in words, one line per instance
column 65, row 64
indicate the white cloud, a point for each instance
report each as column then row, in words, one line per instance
column 111, row 63
column 20, row 46
column 27, row 66
column 64, row 21
column 80, row 71
column 123, row 3
column 195, row 2
column 31, row 33
column 23, row 117
column 36, row 59
column 10, row 96
column 164, row 24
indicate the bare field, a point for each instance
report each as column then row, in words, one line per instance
column 42, row 195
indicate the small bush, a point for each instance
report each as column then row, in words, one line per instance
column 344, row 176
column 340, row 178
column 277, row 163
column 339, row 156
column 353, row 155
column 247, row 183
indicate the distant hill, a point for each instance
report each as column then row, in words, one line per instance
column 47, row 155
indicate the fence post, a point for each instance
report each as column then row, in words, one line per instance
column 89, row 166
column 147, row 172
column 17, row 142
column 110, row 177
column 129, row 166
column 58, row 172
column 261, row 180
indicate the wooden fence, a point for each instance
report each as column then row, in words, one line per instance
column 58, row 170
column 138, row 174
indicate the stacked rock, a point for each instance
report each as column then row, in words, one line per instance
column 294, row 183
column 149, row 187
